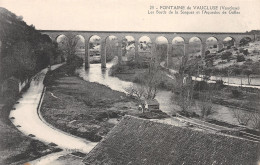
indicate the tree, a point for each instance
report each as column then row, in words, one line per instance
column 151, row 80
column 148, row 83
column 183, row 86
column 111, row 48
column 248, row 72
column 242, row 117
column 206, row 105
column 255, row 119
column 136, row 91
column 69, row 45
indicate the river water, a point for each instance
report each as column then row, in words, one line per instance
column 167, row 105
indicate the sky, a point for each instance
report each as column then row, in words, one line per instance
column 132, row 15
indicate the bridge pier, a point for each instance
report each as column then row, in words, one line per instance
column 119, row 48
column 0, row 56
column 203, row 49
column 220, row 46
column 186, row 49
column 136, row 51
column 87, row 54
column 103, row 53
column 169, row 47
column 154, row 51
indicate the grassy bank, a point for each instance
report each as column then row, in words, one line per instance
column 85, row 109
column 15, row 147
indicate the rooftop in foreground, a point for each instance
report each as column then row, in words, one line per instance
column 140, row 141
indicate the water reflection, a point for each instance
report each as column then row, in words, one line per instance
column 101, row 76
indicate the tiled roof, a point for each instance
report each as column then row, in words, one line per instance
column 139, row 141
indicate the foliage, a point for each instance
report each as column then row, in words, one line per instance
column 236, row 93
column 24, row 50
column 161, row 52
column 200, row 85
column 68, row 46
column 240, row 58
column 183, row 87
column 226, row 55
column 111, row 49
column 245, row 52
column 136, row 91
column 151, row 80
column 248, row 72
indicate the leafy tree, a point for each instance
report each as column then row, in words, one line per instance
column 183, row 87
column 248, row 72
column 68, row 46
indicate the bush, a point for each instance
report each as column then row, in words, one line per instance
column 245, row 52
column 116, row 69
column 241, row 50
column 200, row 85
column 221, row 50
column 219, row 84
column 207, row 52
column 240, row 58
column 226, row 55
column 236, row 93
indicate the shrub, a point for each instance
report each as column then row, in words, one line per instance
column 245, row 52
column 236, row 93
column 200, row 85
column 221, row 50
column 219, row 84
column 240, row 58
column 226, row 55
column 207, row 52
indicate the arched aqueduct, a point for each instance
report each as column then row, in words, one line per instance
column 186, row 36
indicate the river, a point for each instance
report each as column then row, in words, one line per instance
column 101, row 76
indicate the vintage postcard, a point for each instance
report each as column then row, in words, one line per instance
column 142, row 82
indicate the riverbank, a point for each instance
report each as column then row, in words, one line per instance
column 15, row 147
column 226, row 99
column 85, row 109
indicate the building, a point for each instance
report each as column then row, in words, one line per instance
column 138, row 141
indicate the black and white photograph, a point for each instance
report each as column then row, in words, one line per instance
column 141, row 82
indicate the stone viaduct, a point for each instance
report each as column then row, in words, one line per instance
column 186, row 36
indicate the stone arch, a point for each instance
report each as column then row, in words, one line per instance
column 196, row 47
column 145, row 41
column 94, row 48
column 144, row 49
column 245, row 40
column 60, row 40
column 58, row 36
column 229, row 41
column 178, row 40
column 129, row 47
column 80, row 46
column 211, row 45
column 176, row 52
column 161, row 48
column 111, row 47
